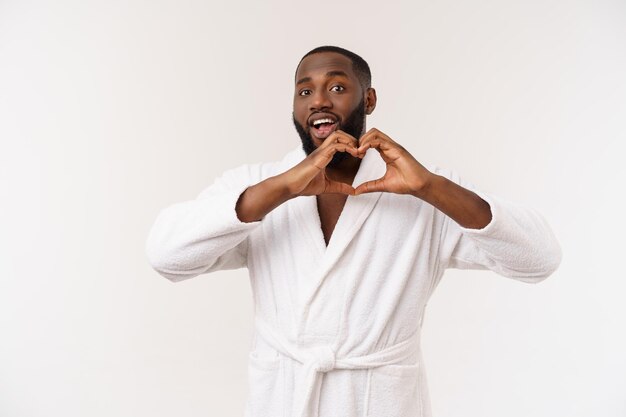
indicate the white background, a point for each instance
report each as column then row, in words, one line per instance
column 112, row 110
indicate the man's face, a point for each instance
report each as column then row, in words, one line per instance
column 327, row 97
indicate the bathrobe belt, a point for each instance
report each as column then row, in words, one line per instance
column 321, row 359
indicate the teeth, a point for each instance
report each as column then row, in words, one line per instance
column 320, row 121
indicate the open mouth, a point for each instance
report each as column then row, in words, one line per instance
column 323, row 127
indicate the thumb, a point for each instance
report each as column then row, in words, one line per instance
column 338, row 187
column 370, row 187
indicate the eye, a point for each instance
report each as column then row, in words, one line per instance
column 304, row 92
column 337, row 88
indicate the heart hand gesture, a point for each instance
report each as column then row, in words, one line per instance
column 309, row 176
column 404, row 174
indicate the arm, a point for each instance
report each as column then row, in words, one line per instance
column 305, row 179
column 260, row 199
column 202, row 235
column 465, row 207
column 517, row 243
column 210, row 233
column 480, row 231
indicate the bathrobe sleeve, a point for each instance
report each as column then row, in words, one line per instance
column 203, row 235
column 518, row 242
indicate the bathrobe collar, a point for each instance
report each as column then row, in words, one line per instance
column 356, row 210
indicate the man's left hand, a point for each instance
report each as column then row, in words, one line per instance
column 404, row 174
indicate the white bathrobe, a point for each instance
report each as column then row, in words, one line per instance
column 337, row 327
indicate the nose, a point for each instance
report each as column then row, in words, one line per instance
column 320, row 100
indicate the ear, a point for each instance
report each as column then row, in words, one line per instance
column 370, row 100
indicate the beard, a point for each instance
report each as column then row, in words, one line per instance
column 353, row 125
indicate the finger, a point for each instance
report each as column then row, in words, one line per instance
column 370, row 187
column 338, row 188
column 339, row 136
column 340, row 147
column 347, row 135
column 325, row 155
column 375, row 132
column 366, row 139
column 368, row 135
column 373, row 140
column 375, row 143
column 344, row 137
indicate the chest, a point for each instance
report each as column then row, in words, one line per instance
column 381, row 253
column 329, row 208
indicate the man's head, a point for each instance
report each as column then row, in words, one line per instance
column 332, row 91
column 359, row 65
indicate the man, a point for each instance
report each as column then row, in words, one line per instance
column 345, row 240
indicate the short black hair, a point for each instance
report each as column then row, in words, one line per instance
column 360, row 67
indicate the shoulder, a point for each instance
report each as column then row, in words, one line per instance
column 253, row 173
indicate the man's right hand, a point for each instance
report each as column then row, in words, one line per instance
column 309, row 176
column 305, row 179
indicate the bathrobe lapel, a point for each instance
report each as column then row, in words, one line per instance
column 356, row 210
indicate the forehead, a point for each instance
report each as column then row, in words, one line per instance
column 322, row 62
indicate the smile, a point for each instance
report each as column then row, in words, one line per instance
column 322, row 127
column 323, row 130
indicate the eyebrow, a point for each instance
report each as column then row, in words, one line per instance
column 329, row 74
